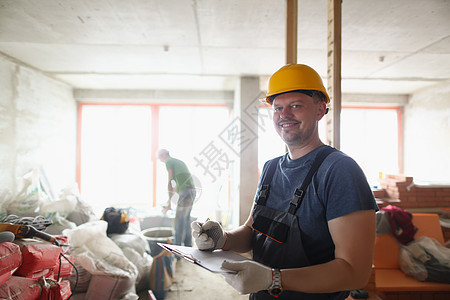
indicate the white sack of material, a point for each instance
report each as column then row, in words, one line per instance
column 27, row 201
column 135, row 248
column 97, row 253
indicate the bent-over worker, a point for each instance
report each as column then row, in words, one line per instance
column 179, row 174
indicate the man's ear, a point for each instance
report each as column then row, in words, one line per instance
column 323, row 109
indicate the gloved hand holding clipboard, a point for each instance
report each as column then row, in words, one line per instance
column 211, row 261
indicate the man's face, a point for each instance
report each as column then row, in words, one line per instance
column 162, row 156
column 295, row 117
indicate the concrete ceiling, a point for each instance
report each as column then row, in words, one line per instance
column 388, row 46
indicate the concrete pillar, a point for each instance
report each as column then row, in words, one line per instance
column 245, row 175
column 334, row 72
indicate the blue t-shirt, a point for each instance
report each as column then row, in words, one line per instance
column 338, row 188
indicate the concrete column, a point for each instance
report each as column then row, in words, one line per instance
column 334, row 72
column 246, row 106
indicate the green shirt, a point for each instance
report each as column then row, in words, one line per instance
column 181, row 174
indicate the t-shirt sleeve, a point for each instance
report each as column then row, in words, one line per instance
column 346, row 189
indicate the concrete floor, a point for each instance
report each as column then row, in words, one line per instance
column 194, row 282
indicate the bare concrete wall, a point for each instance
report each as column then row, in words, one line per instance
column 427, row 135
column 37, row 126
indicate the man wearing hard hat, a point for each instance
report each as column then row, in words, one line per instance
column 312, row 225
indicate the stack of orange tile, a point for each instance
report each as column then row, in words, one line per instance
column 401, row 191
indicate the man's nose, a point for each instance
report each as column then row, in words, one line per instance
column 285, row 113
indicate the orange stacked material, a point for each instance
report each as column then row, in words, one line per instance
column 379, row 193
column 10, row 260
column 402, row 191
column 32, row 269
column 38, row 258
column 20, row 288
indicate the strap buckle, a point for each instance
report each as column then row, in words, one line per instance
column 264, row 191
column 296, row 200
column 298, row 195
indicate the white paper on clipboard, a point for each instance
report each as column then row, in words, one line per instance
column 212, row 261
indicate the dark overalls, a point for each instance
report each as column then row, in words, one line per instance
column 277, row 240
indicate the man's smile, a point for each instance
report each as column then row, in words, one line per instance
column 288, row 124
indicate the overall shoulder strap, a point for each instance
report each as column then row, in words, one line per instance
column 265, row 181
column 300, row 192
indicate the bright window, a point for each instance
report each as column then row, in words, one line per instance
column 188, row 133
column 115, row 156
column 117, row 165
column 371, row 137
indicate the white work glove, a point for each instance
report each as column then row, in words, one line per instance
column 208, row 236
column 251, row 277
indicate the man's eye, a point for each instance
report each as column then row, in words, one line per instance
column 277, row 109
column 295, row 106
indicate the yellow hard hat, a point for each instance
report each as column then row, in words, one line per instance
column 293, row 77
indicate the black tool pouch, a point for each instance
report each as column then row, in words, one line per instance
column 272, row 229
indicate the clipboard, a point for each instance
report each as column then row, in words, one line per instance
column 211, row 261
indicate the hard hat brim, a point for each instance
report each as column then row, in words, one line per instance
column 268, row 98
